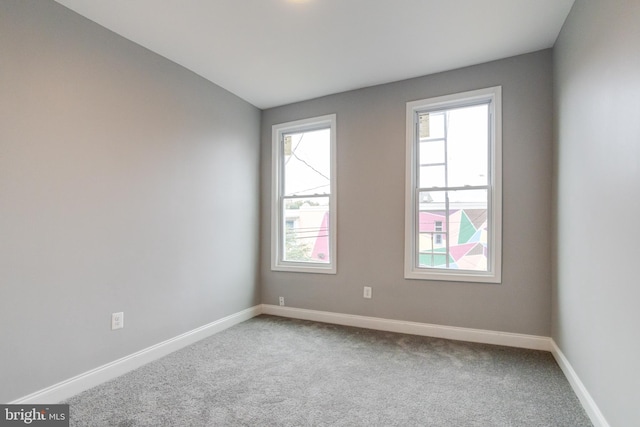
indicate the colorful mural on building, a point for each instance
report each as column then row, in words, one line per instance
column 458, row 242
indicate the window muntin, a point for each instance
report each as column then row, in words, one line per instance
column 453, row 218
column 304, row 207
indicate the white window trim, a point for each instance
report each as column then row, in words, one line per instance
column 277, row 263
column 494, row 273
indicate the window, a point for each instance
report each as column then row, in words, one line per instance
column 438, row 236
column 303, row 231
column 453, row 187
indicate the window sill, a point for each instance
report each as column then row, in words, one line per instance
column 305, row 268
column 440, row 275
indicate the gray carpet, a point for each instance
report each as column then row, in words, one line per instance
column 272, row 371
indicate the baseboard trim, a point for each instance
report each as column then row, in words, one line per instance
column 579, row 389
column 532, row 342
column 65, row 389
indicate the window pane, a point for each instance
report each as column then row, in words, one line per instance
column 453, row 236
column 432, row 176
column 432, row 151
column 431, row 125
column 307, row 162
column 468, row 145
column 432, row 238
column 306, row 230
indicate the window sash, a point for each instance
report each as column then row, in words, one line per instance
column 284, row 230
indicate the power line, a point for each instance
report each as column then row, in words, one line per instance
column 296, row 147
column 311, row 167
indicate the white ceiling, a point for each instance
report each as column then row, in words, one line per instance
column 274, row 52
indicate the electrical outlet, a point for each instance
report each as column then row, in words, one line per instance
column 117, row 321
column 367, row 292
column 281, row 300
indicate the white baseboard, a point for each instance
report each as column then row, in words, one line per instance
column 65, row 389
column 532, row 342
column 580, row 390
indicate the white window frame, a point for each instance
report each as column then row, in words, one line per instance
column 493, row 95
column 277, row 189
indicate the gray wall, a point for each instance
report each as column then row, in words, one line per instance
column 371, row 156
column 596, row 287
column 127, row 183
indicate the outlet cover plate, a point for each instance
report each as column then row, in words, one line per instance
column 117, row 321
